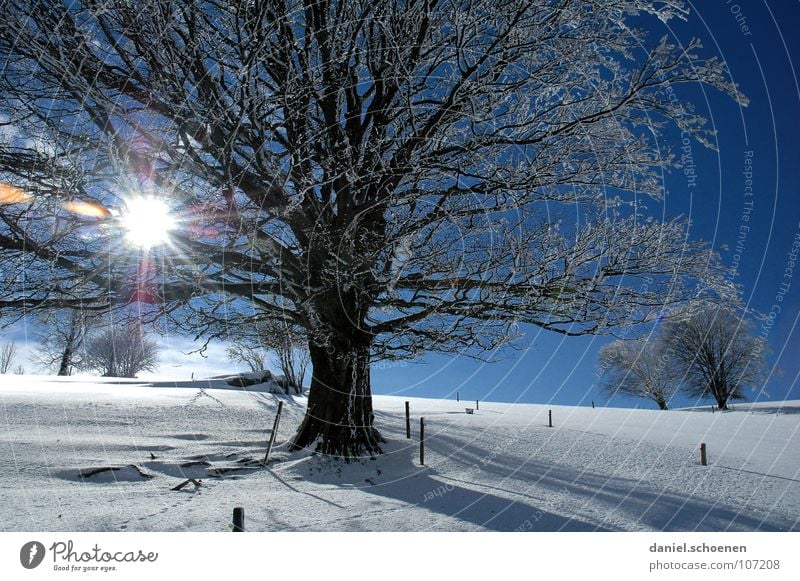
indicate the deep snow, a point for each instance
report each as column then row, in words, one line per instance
column 501, row 468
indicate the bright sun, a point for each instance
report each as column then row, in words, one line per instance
column 148, row 221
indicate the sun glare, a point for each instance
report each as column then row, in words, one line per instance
column 148, row 221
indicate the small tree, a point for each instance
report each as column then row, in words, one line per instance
column 121, row 352
column 290, row 347
column 638, row 368
column 61, row 340
column 7, row 353
column 715, row 353
column 288, row 344
column 293, row 360
column 254, row 356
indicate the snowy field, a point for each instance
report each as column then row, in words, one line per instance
column 499, row 469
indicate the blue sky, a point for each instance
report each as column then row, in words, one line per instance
column 751, row 228
column 755, row 232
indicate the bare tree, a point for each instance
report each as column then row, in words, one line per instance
column 255, row 344
column 61, row 340
column 254, row 356
column 715, row 353
column 7, row 354
column 637, row 367
column 121, row 352
column 390, row 177
column 291, row 350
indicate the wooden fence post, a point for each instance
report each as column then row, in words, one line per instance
column 408, row 422
column 550, row 418
column 274, row 431
column 703, row 458
column 592, row 404
column 238, row 519
column 422, row 441
column 457, row 397
column 477, row 405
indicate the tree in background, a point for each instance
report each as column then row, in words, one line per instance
column 293, row 358
column 120, row 352
column 7, row 354
column 390, row 177
column 638, row 368
column 255, row 344
column 254, row 356
column 715, row 353
column 61, row 340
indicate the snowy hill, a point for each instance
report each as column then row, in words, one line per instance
column 104, row 455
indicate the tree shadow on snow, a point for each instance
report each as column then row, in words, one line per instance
column 397, row 475
column 629, row 499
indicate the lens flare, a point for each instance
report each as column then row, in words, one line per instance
column 13, row 195
column 148, row 221
column 86, row 209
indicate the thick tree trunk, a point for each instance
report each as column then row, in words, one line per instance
column 339, row 419
column 662, row 404
column 721, row 394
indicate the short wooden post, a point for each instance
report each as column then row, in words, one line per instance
column 408, row 422
column 592, row 404
column 274, row 432
column 238, row 519
column 703, row 458
column 457, row 397
column 712, row 409
column 550, row 418
column 477, row 405
column 422, row 441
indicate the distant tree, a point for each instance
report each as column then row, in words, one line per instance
column 19, row 370
column 293, row 358
column 638, row 368
column 715, row 353
column 254, row 345
column 61, row 339
column 121, row 352
column 254, row 356
column 7, row 353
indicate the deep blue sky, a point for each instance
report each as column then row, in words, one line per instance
column 758, row 40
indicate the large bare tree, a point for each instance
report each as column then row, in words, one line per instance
column 392, row 177
column 714, row 352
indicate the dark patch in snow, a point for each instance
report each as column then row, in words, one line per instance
column 195, row 463
column 108, row 474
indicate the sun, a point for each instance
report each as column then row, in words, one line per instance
column 148, row 221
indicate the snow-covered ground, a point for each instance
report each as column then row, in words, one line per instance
column 501, row 468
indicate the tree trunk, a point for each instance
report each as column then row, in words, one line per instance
column 339, row 419
column 66, row 361
column 662, row 404
column 721, row 394
column 72, row 342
